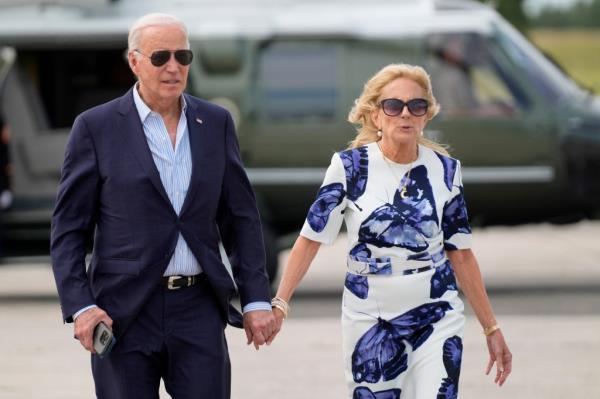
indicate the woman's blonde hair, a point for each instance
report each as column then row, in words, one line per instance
column 360, row 114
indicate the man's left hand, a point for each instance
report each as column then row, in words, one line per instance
column 259, row 326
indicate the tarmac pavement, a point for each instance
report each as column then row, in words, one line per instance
column 555, row 354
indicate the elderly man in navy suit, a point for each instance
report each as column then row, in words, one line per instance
column 155, row 178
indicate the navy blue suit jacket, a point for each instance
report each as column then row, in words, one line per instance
column 110, row 190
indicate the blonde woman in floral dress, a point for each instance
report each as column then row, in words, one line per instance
column 409, row 243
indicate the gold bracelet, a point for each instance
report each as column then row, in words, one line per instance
column 281, row 302
column 278, row 306
column 281, row 305
column 489, row 330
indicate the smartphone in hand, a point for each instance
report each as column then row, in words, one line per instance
column 104, row 339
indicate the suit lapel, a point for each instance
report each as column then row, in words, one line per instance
column 198, row 136
column 133, row 130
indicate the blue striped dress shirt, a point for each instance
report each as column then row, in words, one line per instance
column 175, row 168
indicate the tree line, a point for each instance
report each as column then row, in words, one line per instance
column 583, row 14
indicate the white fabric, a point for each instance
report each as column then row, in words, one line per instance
column 398, row 272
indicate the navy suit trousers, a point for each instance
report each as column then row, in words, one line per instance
column 178, row 336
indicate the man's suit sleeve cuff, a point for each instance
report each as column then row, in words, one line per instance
column 76, row 315
column 252, row 306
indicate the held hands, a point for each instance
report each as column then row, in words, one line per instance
column 499, row 354
column 263, row 326
column 85, row 324
column 260, row 327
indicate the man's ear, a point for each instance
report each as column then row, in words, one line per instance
column 133, row 62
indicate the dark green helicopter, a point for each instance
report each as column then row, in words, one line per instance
column 528, row 137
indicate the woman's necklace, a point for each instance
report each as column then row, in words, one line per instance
column 403, row 192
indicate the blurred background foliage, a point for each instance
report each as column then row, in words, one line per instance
column 583, row 14
column 568, row 35
column 512, row 10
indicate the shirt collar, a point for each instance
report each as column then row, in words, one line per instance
column 143, row 110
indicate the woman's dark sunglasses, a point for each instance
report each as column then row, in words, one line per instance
column 161, row 57
column 394, row 107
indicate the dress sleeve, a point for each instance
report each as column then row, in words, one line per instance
column 455, row 220
column 326, row 214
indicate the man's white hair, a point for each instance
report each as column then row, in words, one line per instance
column 154, row 19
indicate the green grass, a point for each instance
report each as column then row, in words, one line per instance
column 576, row 50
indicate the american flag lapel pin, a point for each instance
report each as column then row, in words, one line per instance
column 200, row 121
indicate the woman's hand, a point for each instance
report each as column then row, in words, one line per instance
column 499, row 354
column 301, row 256
column 469, row 279
column 279, row 317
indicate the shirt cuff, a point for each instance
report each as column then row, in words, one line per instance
column 252, row 306
column 76, row 315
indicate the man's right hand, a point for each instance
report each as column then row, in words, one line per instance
column 85, row 324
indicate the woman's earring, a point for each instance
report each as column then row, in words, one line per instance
column 379, row 133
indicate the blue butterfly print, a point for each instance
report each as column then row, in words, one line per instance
column 450, row 247
column 357, row 284
column 376, row 265
column 380, row 352
column 328, row 198
column 455, row 219
column 419, row 256
column 366, row 393
column 356, row 165
column 408, row 222
column 452, row 356
column 450, row 165
column 360, row 252
column 442, row 280
column 420, row 198
column 433, row 257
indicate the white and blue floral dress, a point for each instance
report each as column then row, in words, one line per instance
column 402, row 318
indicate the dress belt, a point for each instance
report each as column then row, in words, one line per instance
column 396, row 265
column 176, row 282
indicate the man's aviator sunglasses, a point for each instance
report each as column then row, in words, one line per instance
column 394, row 107
column 161, row 57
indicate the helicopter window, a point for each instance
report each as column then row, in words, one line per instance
column 68, row 81
column 467, row 78
column 297, row 81
column 544, row 72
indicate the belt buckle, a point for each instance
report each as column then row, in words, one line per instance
column 170, row 282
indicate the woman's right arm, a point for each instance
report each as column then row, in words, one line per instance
column 322, row 225
column 302, row 254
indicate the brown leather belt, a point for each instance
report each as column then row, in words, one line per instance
column 177, row 282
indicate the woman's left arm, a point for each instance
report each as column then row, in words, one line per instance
column 469, row 278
